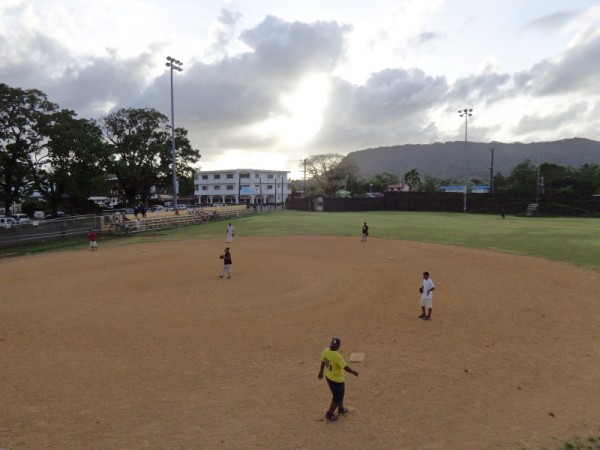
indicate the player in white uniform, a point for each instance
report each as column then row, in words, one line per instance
column 426, row 291
column 229, row 234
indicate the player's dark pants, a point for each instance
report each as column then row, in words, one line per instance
column 337, row 390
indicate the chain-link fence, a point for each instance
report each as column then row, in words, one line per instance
column 41, row 230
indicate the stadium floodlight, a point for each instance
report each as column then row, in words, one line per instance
column 466, row 113
column 173, row 64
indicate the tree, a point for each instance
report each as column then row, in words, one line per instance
column 382, row 180
column 21, row 141
column 431, row 184
column 413, row 179
column 77, row 158
column 141, row 144
column 522, row 179
column 332, row 172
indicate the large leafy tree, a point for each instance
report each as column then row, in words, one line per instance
column 331, row 172
column 141, row 144
column 522, row 179
column 77, row 157
column 22, row 154
column 382, row 180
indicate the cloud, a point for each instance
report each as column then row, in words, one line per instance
column 536, row 124
column 575, row 71
column 392, row 106
column 242, row 78
column 230, row 95
column 224, row 31
column 552, row 22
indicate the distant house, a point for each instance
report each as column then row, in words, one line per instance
column 401, row 187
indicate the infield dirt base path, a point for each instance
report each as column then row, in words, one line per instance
column 143, row 346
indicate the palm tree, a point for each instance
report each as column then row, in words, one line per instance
column 413, row 179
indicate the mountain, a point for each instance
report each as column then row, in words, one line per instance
column 446, row 160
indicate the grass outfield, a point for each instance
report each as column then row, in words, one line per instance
column 572, row 240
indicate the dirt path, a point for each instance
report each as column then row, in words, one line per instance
column 142, row 346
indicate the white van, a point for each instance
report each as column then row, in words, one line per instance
column 6, row 223
column 21, row 219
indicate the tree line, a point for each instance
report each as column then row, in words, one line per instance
column 328, row 173
column 66, row 159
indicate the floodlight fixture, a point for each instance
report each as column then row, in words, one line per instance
column 173, row 64
column 466, row 113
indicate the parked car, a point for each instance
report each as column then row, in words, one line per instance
column 38, row 215
column 58, row 215
column 21, row 219
column 7, row 223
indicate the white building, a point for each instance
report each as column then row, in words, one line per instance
column 254, row 187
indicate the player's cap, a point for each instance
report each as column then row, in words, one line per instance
column 335, row 342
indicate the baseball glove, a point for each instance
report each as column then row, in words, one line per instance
column 421, row 289
column 221, row 257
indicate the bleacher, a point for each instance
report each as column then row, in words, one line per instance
column 128, row 223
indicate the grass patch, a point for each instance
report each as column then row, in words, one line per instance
column 573, row 240
column 578, row 443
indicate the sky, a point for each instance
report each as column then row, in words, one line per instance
column 267, row 83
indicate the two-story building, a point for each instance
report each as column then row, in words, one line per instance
column 250, row 186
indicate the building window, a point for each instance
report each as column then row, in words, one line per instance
column 205, row 188
column 217, row 188
column 256, row 175
column 230, row 187
column 229, row 176
column 244, row 175
column 217, row 177
column 270, row 176
column 205, row 177
column 269, row 186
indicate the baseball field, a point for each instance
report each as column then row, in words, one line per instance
column 140, row 345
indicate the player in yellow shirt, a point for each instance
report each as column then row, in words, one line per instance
column 334, row 365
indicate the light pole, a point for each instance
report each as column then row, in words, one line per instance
column 492, row 172
column 173, row 64
column 466, row 113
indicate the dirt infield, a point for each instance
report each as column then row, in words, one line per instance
column 142, row 346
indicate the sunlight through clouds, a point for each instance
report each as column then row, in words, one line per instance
column 303, row 113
